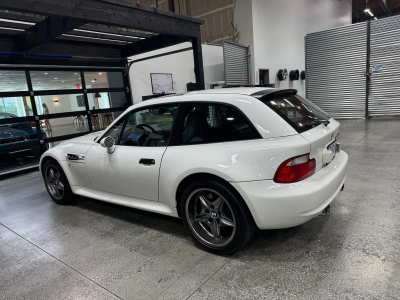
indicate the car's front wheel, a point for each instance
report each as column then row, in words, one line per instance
column 216, row 216
column 57, row 184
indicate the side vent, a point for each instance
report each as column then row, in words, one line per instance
column 74, row 156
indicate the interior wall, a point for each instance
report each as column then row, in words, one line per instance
column 181, row 66
column 66, row 103
column 278, row 29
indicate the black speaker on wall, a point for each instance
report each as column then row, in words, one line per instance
column 282, row 74
column 303, row 75
column 294, row 75
column 191, row 86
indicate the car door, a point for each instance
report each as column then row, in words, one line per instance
column 141, row 138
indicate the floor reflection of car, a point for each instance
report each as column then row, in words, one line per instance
column 17, row 132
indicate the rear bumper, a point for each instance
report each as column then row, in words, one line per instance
column 276, row 205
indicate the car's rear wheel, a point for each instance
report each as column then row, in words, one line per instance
column 216, row 216
column 57, row 184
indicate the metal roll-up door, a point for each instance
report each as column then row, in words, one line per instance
column 384, row 97
column 335, row 70
column 236, row 64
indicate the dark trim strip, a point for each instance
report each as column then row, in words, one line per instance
column 160, row 55
column 65, row 137
column 14, row 94
column 63, row 115
column 17, row 120
column 18, row 146
column 104, row 90
column 106, row 110
column 58, row 92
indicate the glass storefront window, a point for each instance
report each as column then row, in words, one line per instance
column 13, row 81
column 64, row 126
column 106, row 100
column 99, row 80
column 55, row 80
column 59, row 103
column 12, row 107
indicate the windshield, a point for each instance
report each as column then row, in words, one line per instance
column 300, row 113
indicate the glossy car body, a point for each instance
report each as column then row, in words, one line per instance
column 248, row 166
column 18, row 132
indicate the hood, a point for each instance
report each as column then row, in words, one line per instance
column 88, row 138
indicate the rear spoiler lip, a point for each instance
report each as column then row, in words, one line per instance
column 262, row 95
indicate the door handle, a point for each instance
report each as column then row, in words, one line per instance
column 147, row 161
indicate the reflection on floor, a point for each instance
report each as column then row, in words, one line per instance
column 95, row 250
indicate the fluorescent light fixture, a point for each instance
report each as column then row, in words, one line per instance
column 230, row 119
column 375, row 18
column 11, row 29
column 18, row 22
column 369, row 11
column 93, row 38
column 106, row 33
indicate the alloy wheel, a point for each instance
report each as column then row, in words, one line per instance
column 210, row 217
column 54, row 182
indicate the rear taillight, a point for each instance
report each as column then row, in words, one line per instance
column 295, row 169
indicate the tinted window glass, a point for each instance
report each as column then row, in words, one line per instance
column 115, row 130
column 214, row 123
column 300, row 113
column 149, row 127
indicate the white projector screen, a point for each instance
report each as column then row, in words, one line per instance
column 162, row 83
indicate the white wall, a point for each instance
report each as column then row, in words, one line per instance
column 66, row 103
column 181, row 66
column 279, row 28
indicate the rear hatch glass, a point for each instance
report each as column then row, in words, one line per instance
column 307, row 119
column 300, row 113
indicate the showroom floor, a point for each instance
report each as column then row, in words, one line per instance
column 95, row 250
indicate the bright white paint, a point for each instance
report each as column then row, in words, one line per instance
column 275, row 31
column 180, row 65
column 249, row 166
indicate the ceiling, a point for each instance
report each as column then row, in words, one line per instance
column 377, row 7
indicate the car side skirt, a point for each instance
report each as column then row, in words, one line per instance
column 146, row 205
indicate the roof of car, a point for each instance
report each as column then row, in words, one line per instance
column 235, row 90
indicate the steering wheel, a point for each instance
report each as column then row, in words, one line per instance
column 144, row 125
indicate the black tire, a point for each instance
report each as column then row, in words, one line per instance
column 67, row 196
column 232, row 238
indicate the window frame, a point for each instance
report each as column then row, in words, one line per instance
column 185, row 103
column 267, row 102
column 128, row 114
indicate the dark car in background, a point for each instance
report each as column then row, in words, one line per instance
column 18, row 132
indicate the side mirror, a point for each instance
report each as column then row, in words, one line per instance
column 108, row 143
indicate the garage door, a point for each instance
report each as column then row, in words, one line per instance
column 335, row 68
column 384, row 96
column 236, row 64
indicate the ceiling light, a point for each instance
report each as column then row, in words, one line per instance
column 368, row 11
column 100, row 73
column 55, row 77
column 39, row 82
column 93, row 81
column 12, row 82
column 46, row 73
column 76, row 73
column 375, row 18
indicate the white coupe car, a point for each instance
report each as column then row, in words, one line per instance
column 226, row 161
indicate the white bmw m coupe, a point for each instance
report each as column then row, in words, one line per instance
column 226, row 161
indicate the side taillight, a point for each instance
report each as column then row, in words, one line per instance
column 295, row 169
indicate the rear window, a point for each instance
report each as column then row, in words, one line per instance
column 300, row 113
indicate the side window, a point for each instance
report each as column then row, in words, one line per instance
column 214, row 123
column 115, row 131
column 150, row 127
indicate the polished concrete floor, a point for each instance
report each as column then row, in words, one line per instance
column 95, row 250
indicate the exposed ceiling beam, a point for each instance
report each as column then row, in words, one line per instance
column 43, row 32
column 151, row 44
column 387, row 6
column 111, row 12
